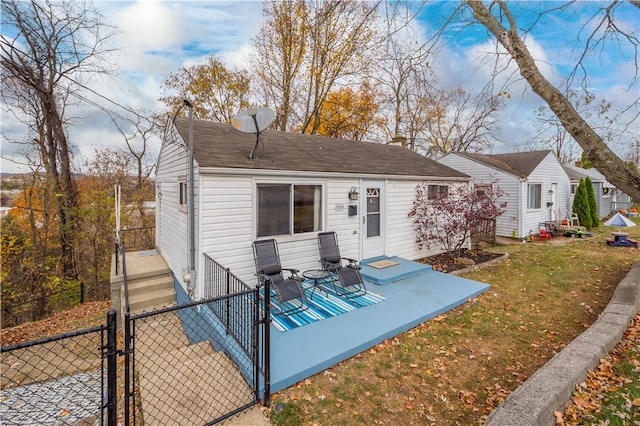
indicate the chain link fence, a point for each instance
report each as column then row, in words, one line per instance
column 188, row 365
column 42, row 306
column 59, row 380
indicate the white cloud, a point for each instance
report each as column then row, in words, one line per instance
column 153, row 25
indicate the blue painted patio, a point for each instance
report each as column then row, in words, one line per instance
column 414, row 293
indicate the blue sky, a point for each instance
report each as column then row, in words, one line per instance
column 157, row 37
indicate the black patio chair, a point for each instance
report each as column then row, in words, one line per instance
column 287, row 290
column 347, row 280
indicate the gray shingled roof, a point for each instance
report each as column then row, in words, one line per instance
column 221, row 145
column 578, row 173
column 520, row 164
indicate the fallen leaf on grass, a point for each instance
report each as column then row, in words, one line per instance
column 559, row 418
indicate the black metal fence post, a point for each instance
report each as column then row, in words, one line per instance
column 127, row 369
column 112, row 374
column 228, row 282
column 266, row 332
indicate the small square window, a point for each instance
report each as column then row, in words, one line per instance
column 437, row 192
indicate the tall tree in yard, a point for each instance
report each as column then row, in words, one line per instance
column 305, row 50
column 603, row 27
column 352, row 115
column 593, row 203
column 581, row 205
column 217, row 92
column 55, row 43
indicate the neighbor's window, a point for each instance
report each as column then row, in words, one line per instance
column 482, row 189
column 285, row 209
column 574, row 188
column 437, row 192
column 535, row 196
column 182, row 193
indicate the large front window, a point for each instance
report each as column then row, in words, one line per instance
column 535, row 196
column 285, row 209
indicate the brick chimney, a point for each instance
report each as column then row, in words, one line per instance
column 579, row 163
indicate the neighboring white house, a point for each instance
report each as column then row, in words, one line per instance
column 608, row 197
column 297, row 186
column 535, row 184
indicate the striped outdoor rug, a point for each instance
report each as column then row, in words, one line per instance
column 322, row 306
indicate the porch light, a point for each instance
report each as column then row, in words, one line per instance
column 353, row 194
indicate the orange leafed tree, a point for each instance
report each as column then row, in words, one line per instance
column 349, row 114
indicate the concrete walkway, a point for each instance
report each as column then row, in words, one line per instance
column 534, row 402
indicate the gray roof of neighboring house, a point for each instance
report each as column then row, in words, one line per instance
column 221, row 145
column 520, row 164
column 577, row 173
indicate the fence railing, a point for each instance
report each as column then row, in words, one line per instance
column 219, row 282
column 484, row 228
column 233, row 313
column 139, row 239
column 43, row 305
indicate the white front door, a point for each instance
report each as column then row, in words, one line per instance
column 373, row 219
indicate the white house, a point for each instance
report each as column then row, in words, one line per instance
column 608, row 197
column 296, row 186
column 535, row 184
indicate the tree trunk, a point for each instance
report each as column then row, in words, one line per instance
column 608, row 163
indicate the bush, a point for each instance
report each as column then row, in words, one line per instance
column 593, row 204
column 581, row 205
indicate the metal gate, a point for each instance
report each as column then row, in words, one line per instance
column 61, row 379
column 197, row 363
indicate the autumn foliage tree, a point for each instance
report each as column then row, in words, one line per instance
column 51, row 46
column 350, row 114
column 304, row 50
column 216, row 91
column 445, row 215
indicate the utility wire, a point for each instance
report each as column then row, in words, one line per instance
column 105, row 109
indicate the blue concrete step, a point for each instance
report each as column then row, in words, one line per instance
column 383, row 276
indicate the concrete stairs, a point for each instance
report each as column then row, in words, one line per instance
column 179, row 383
column 149, row 283
column 149, row 293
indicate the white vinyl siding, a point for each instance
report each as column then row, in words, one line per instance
column 171, row 217
column 517, row 216
column 549, row 171
column 509, row 184
column 401, row 236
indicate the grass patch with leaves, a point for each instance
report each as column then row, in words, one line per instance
column 457, row 367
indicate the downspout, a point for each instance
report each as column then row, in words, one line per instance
column 521, row 209
column 191, row 285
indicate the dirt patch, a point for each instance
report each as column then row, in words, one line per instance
column 444, row 263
